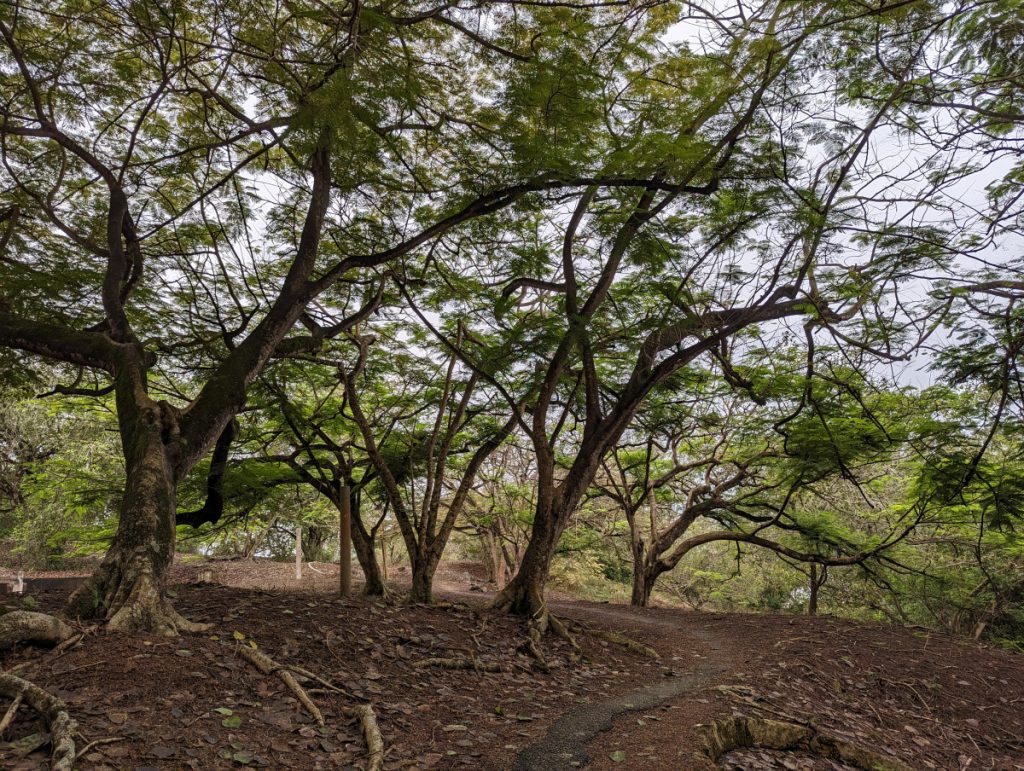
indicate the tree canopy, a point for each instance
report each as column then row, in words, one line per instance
column 672, row 274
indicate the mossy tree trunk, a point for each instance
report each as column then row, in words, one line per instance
column 126, row 590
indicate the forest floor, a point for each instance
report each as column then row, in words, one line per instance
column 925, row 699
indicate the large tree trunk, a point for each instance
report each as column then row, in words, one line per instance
column 126, row 589
column 524, row 594
column 646, row 570
column 643, row 585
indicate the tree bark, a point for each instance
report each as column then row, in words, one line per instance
column 643, row 585
column 422, row 581
column 126, row 589
column 524, row 594
column 363, row 541
column 497, row 571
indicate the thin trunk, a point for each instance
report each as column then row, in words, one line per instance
column 818, row 578
column 496, row 570
column 643, row 578
column 363, row 541
column 298, row 552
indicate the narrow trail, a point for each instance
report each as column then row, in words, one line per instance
column 712, row 655
column 564, row 747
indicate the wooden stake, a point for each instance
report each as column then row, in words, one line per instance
column 345, row 542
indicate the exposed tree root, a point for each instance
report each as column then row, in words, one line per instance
column 24, row 626
column 98, row 743
column 539, row 623
column 473, row 664
column 12, row 710
column 560, row 629
column 382, row 594
column 371, row 733
column 620, row 639
column 724, row 736
column 129, row 605
column 54, row 712
column 534, row 632
column 268, row 666
column 364, row 712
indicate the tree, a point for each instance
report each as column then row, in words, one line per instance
column 431, row 414
column 678, row 467
column 608, row 295
column 500, row 508
column 323, row 451
column 180, row 184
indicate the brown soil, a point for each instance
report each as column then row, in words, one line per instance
column 932, row 701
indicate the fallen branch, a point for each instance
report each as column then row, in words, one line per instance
column 371, row 732
column 54, row 712
column 25, row 626
column 268, row 666
column 909, row 687
column 305, row 674
column 448, row 663
column 71, row 642
column 725, row 736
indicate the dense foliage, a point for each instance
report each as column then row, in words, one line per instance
column 719, row 302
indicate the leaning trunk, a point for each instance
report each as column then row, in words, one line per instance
column 524, row 594
column 127, row 588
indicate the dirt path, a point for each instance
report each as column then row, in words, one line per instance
column 565, row 747
column 922, row 697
